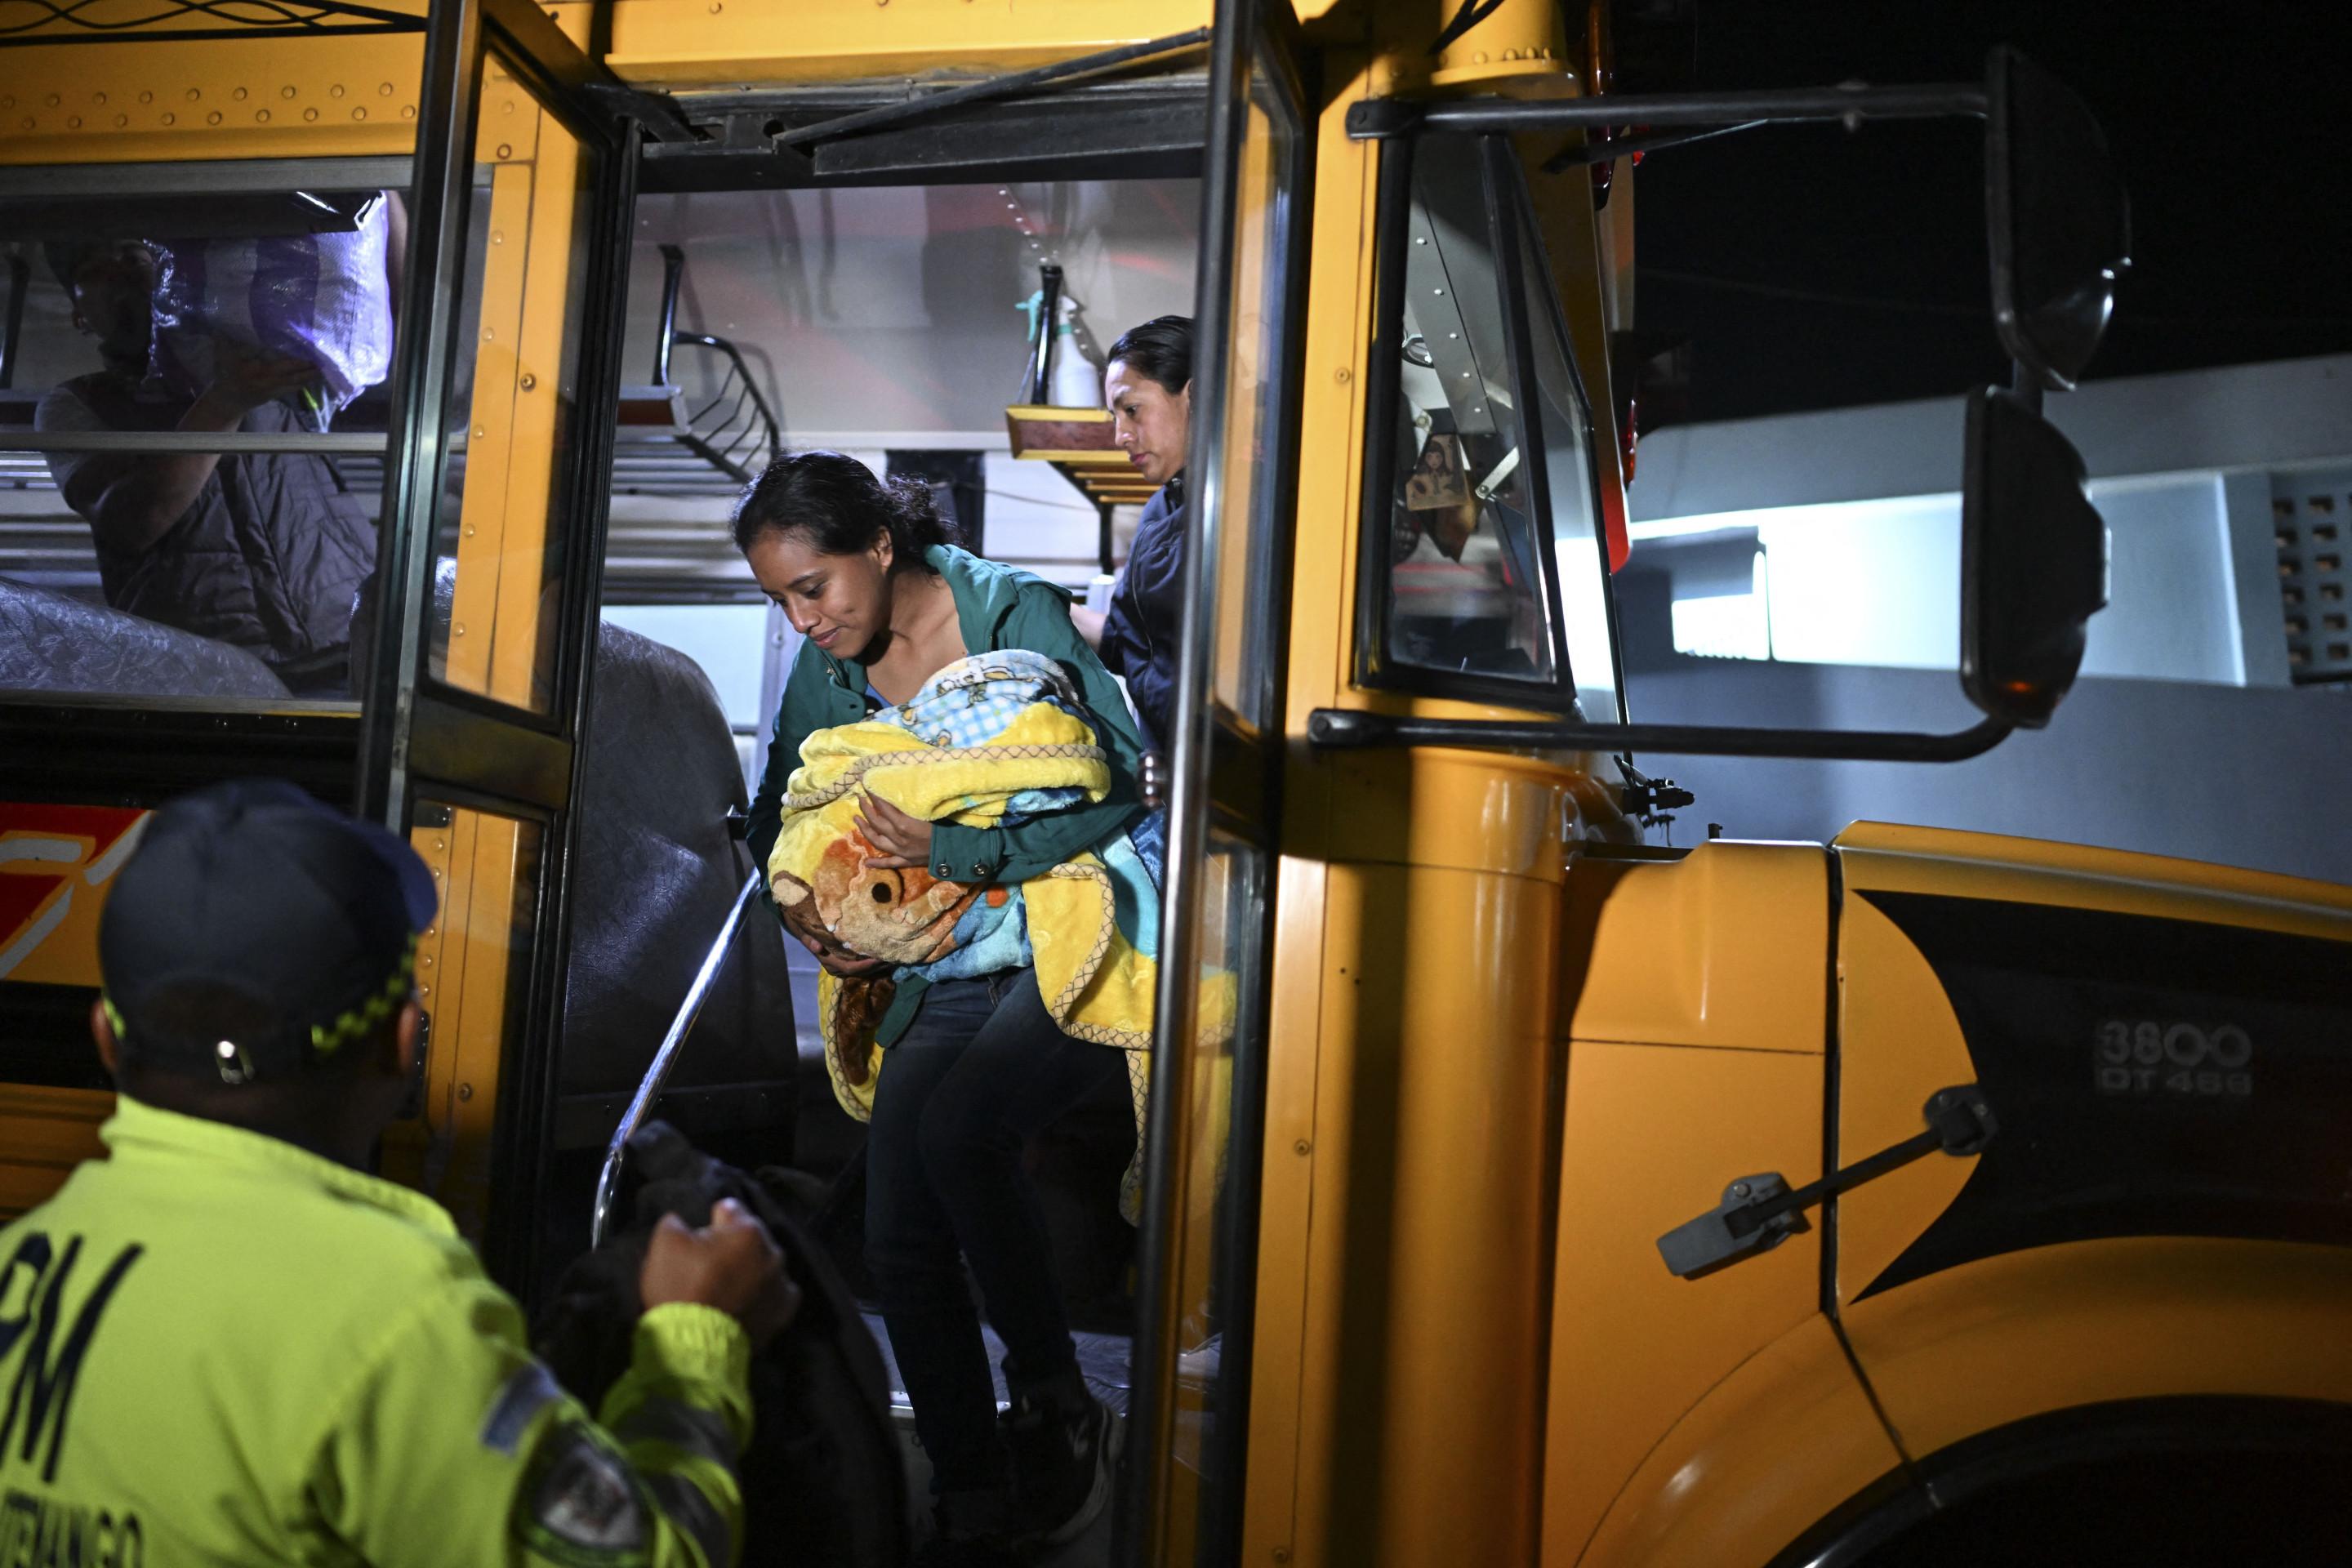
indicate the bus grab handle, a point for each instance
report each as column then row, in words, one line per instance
column 608, row 1180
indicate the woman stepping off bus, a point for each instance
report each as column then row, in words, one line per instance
column 869, row 575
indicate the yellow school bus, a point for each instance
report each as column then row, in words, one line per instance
column 1918, row 1197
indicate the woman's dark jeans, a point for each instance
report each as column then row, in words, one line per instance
column 982, row 1068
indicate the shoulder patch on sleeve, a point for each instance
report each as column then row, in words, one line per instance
column 583, row 1507
column 532, row 1389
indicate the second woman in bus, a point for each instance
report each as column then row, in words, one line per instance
column 1147, row 387
column 869, row 575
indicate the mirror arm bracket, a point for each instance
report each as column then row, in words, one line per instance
column 1379, row 119
column 1339, row 729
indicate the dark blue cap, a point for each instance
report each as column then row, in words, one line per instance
column 254, row 888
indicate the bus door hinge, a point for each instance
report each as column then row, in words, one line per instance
column 1758, row 1213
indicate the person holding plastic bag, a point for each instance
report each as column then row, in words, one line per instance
column 871, row 578
column 261, row 551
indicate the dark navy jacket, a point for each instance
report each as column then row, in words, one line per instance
column 1139, row 641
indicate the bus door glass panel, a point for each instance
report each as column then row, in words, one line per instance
column 1231, row 934
column 1563, row 416
column 1242, row 677
column 192, row 450
column 506, row 515
column 1222, row 830
column 473, row 965
column 499, row 480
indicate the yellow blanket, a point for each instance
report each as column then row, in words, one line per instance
column 1096, row 984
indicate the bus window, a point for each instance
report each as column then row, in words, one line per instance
column 192, row 451
column 1571, row 497
column 1486, row 507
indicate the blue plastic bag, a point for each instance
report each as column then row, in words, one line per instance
column 324, row 298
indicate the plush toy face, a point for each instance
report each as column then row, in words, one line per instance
column 908, row 916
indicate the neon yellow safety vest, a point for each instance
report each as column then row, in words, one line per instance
column 216, row 1348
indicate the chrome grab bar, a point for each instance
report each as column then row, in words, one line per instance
column 608, row 1180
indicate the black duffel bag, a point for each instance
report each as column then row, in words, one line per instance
column 825, row 1485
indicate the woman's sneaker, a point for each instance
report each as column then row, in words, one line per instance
column 1063, row 1459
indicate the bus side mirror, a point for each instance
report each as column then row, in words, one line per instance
column 2033, row 562
column 2057, row 216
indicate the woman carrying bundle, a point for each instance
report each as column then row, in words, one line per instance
column 869, row 575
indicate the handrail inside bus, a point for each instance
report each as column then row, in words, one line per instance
column 608, row 1180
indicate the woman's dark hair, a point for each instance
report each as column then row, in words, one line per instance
column 838, row 503
column 1161, row 349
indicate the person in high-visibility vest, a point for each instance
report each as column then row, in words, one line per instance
column 227, row 1344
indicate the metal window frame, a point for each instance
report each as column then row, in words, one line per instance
column 63, row 27
column 1383, row 119
column 1376, row 666
column 1219, row 755
column 1556, row 321
column 420, row 737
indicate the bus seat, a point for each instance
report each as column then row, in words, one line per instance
column 656, row 872
column 50, row 642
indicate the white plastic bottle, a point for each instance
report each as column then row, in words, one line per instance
column 1076, row 382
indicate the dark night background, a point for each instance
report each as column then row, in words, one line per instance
column 1808, row 268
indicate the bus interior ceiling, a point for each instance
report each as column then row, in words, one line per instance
column 882, row 319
